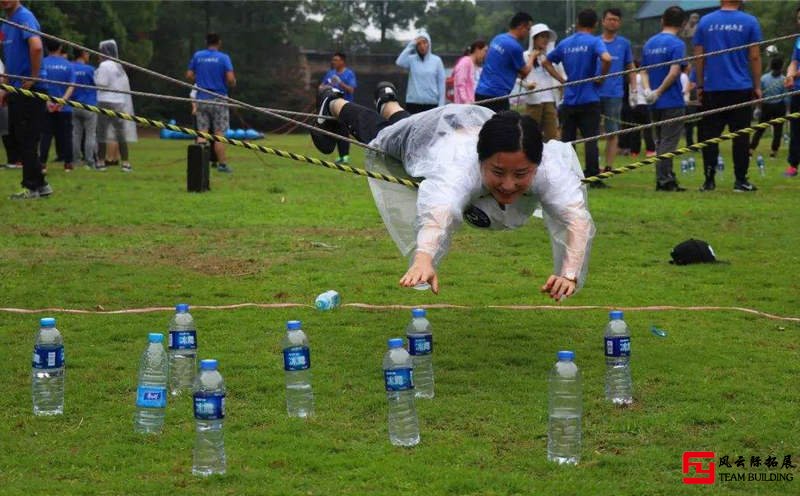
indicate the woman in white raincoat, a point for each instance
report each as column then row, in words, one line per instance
column 110, row 74
column 488, row 169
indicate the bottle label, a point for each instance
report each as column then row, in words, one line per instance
column 618, row 346
column 399, row 379
column 296, row 358
column 209, row 406
column 151, row 397
column 183, row 340
column 48, row 358
column 420, row 345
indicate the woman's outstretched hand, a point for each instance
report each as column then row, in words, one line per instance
column 559, row 287
column 421, row 271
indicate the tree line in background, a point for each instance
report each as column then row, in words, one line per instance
column 265, row 38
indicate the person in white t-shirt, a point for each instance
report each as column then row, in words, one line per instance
column 542, row 105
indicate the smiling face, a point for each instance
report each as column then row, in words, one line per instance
column 507, row 175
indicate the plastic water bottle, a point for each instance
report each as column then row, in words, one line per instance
column 47, row 371
column 209, row 412
column 182, row 350
column 619, row 387
column 297, row 364
column 762, row 166
column 684, row 166
column 399, row 379
column 420, row 347
column 564, row 411
column 692, row 164
column 151, row 395
column 720, row 164
column 328, row 300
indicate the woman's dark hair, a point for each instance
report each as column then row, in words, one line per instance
column 476, row 45
column 776, row 65
column 510, row 132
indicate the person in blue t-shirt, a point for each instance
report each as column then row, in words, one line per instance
column 612, row 90
column 666, row 97
column 342, row 78
column 727, row 79
column 579, row 54
column 212, row 70
column 792, row 83
column 22, row 51
column 84, row 122
column 504, row 63
column 58, row 121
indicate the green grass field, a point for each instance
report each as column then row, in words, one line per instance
column 281, row 232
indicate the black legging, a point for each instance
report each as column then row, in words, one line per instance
column 641, row 115
column 364, row 123
column 770, row 111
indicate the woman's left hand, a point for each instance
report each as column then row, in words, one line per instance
column 559, row 287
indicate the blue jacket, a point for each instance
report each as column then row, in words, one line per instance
column 426, row 81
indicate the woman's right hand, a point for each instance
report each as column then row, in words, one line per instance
column 421, row 271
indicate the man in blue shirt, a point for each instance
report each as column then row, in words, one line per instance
column 792, row 82
column 666, row 99
column 22, row 51
column 727, row 79
column 58, row 121
column 84, row 123
column 504, row 63
column 612, row 90
column 212, row 70
column 341, row 77
column 579, row 54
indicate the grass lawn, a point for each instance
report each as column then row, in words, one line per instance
column 277, row 231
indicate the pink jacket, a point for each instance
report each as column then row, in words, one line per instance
column 464, row 81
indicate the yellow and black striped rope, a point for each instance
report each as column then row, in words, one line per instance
column 691, row 148
column 144, row 121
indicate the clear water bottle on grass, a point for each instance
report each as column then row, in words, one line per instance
column 692, row 164
column 47, row 371
column 420, row 347
column 209, row 412
column 182, row 350
column 328, row 300
column 720, row 164
column 619, row 385
column 564, row 410
column 297, row 364
column 151, row 394
column 684, row 166
column 762, row 166
column 399, row 381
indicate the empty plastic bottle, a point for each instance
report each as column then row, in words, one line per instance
column 420, row 347
column 684, row 166
column 399, row 379
column 720, row 164
column 762, row 166
column 297, row 364
column 209, row 412
column 47, row 371
column 328, row 300
column 564, row 411
column 692, row 163
column 619, row 386
column 182, row 350
column 151, row 394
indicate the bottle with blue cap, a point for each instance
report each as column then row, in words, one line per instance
column 47, row 371
column 297, row 364
column 328, row 300
column 398, row 378
column 762, row 165
column 151, row 393
column 182, row 350
column 619, row 386
column 565, row 410
column 209, row 413
column 692, row 164
column 420, row 347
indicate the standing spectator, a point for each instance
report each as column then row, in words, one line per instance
column 111, row 75
column 8, row 144
column 84, row 122
column 505, row 63
column 541, row 105
column 727, row 79
column 58, row 121
column 426, row 80
column 464, row 73
column 581, row 108
column 792, row 82
column 22, row 51
column 641, row 116
column 771, row 85
column 666, row 100
column 612, row 90
column 342, row 78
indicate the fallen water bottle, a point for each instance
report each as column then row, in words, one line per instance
column 182, row 350
column 151, row 393
column 399, row 381
column 619, row 385
column 564, row 411
column 328, row 300
column 47, row 371
column 420, row 347
column 209, row 412
column 297, row 364
column 762, row 166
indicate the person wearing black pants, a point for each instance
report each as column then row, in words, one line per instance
column 641, row 115
column 713, row 125
column 770, row 111
column 25, row 117
column 794, row 141
column 587, row 119
column 57, row 124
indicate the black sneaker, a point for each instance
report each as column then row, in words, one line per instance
column 670, row 186
column 324, row 143
column 743, row 187
column 384, row 92
column 709, row 185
